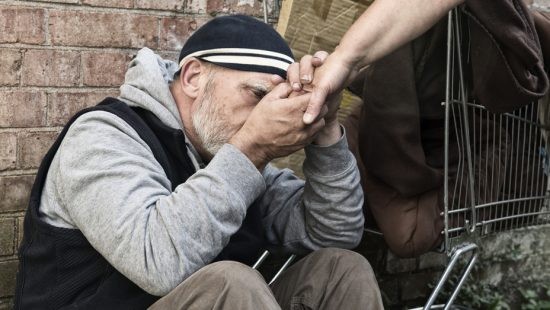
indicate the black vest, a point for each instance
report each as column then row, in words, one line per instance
column 58, row 268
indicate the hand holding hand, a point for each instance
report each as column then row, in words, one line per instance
column 301, row 76
column 275, row 128
column 329, row 79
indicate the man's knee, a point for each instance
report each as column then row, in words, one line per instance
column 227, row 284
column 344, row 277
column 341, row 255
column 233, row 274
column 346, row 261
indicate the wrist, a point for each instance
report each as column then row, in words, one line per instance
column 349, row 62
column 329, row 135
column 250, row 150
column 348, row 59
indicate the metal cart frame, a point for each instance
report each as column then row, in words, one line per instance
column 514, row 207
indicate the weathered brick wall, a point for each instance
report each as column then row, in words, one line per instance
column 57, row 57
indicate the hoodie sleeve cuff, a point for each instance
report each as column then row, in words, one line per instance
column 240, row 174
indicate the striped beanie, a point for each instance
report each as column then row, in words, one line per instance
column 239, row 42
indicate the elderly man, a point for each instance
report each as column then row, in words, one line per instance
column 167, row 190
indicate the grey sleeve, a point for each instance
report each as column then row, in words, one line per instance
column 118, row 195
column 325, row 210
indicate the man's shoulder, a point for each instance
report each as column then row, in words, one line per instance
column 99, row 128
column 98, row 121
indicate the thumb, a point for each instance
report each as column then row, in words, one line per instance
column 316, row 102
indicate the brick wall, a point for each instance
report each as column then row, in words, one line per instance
column 57, row 57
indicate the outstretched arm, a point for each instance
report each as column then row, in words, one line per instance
column 385, row 25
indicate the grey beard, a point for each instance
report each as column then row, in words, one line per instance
column 209, row 126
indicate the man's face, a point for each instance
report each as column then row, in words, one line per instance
column 225, row 102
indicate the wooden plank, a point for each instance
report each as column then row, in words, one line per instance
column 313, row 25
column 284, row 16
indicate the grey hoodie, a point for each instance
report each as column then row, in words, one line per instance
column 105, row 182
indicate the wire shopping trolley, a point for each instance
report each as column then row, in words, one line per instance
column 496, row 169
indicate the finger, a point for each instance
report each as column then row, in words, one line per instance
column 293, row 76
column 276, row 79
column 316, row 102
column 296, row 93
column 319, row 58
column 299, row 101
column 307, row 88
column 279, row 92
column 306, row 69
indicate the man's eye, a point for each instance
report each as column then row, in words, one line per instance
column 258, row 94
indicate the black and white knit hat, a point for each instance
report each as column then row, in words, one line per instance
column 239, row 42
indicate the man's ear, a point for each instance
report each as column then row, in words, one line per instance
column 190, row 77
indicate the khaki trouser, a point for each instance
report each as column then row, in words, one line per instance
column 330, row 279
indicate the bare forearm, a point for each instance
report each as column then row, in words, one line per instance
column 388, row 24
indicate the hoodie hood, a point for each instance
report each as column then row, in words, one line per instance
column 146, row 85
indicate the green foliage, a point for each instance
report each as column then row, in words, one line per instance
column 479, row 296
column 535, row 299
column 516, row 292
column 524, row 295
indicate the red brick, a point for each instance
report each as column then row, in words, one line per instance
column 247, row 7
column 63, row 105
column 170, row 5
column 103, row 29
column 59, row 1
column 8, row 271
column 176, row 30
column 15, row 192
column 10, row 65
column 32, row 147
column 7, row 236
column 22, row 25
column 22, row 108
column 110, row 3
column 173, row 56
column 51, row 68
column 104, row 69
column 196, row 6
column 8, row 151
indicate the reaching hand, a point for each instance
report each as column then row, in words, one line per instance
column 329, row 79
column 300, row 75
column 325, row 77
